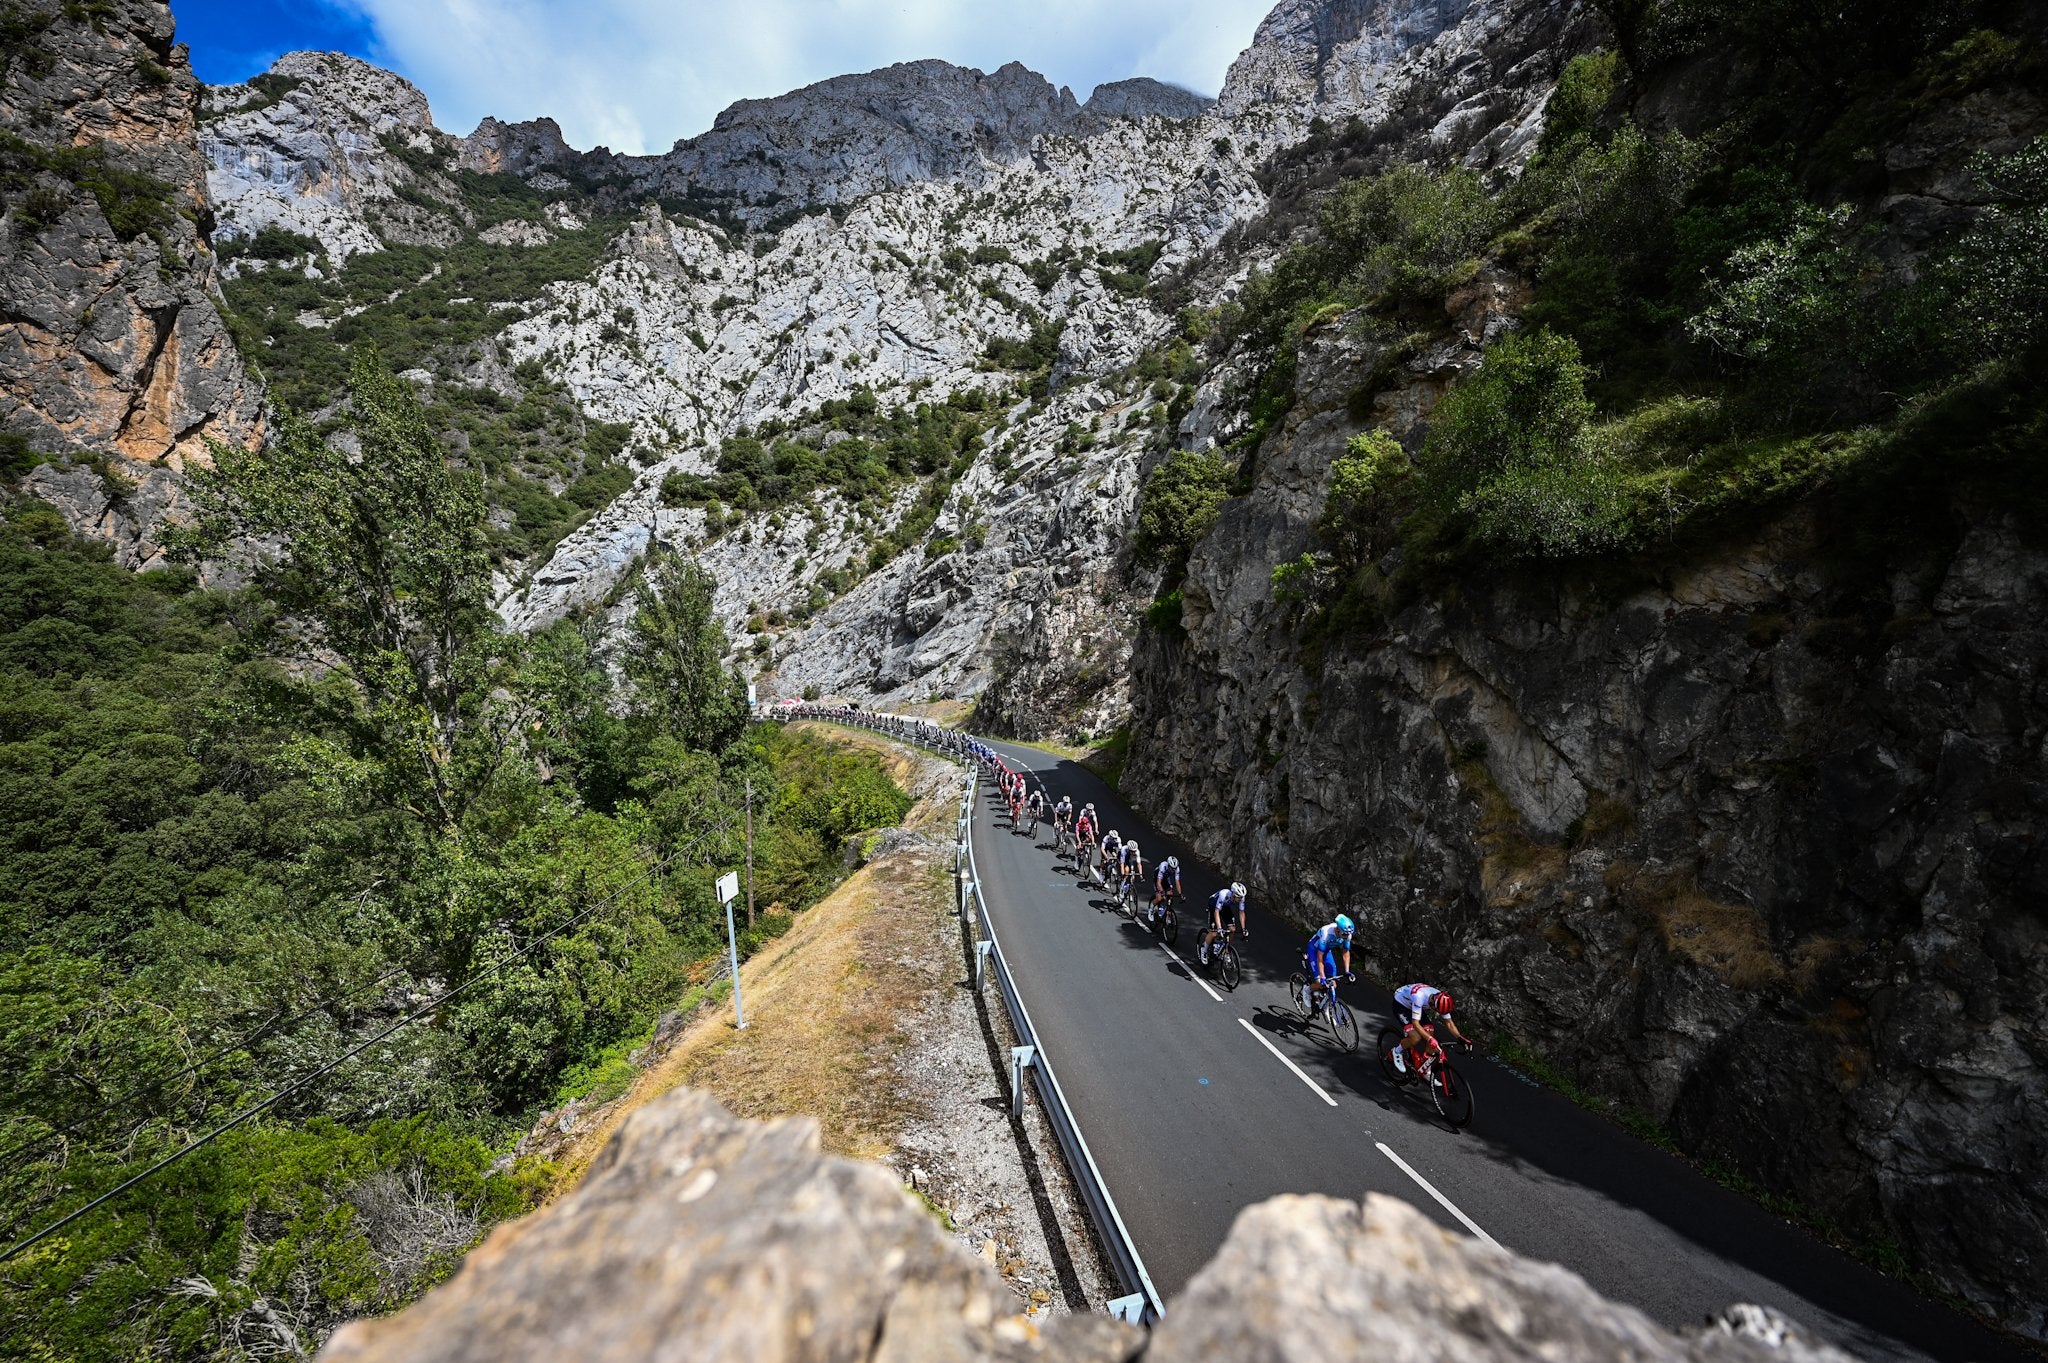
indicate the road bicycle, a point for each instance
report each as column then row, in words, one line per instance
column 1084, row 856
column 1223, row 959
column 1448, row 1091
column 1163, row 922
column 1127, row 898
column 1322, row 1004
column 1062, row 838
column 1032, row 831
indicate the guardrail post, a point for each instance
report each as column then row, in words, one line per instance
column 963, row 880
column 1022, row 1058
column 981, row 951
column 1131, row 1308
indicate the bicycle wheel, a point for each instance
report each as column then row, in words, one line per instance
column 1389, row 1038
column 1297, row 993
column 1452, row 1095
column 1228, row 971
column 1342, row 1022
column 1169, row 925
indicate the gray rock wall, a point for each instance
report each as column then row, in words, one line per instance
column 1748, row 840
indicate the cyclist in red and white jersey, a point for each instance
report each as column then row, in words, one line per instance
column 1415, row 1004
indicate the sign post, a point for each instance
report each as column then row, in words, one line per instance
column 729, row 890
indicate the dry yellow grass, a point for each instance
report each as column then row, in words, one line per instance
column 826, row 1003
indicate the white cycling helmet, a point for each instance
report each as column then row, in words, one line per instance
column 1174, row 862
column 1114, row 834
column 1237, row 889
column 1131, row 846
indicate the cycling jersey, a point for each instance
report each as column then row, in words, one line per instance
column 1327, row 938
column 1167, row 878
column 1415, row 999
column 1085, row 828
column 1111, row 846
column 1226, row 903
column 1130, row 857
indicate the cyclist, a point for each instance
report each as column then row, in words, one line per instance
column 1331, row 940
column 1165, row 884
column 1036, row 805
column 1131, row 868
column 1415, row 1004
column 1226, row 910
column 1084, row 838
column 1112, row 850
column 1063, row 815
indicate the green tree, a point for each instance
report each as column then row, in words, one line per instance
column 1371, row 483
column 676, row 657
column 373, row 550
column 1525, row 408
column 1179, row 504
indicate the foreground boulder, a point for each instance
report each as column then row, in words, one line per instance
column 699, row 1235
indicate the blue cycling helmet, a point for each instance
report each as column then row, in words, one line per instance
column 1344, row 924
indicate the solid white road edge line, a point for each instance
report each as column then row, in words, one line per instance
column 1288, row 1063
column 1191, row 972
column 1430, row 1188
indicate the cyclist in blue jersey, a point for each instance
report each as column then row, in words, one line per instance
column 1331, row 941
column 1165, row 884
column 1226, row 906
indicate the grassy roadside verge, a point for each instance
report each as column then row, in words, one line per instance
column 825, row 1001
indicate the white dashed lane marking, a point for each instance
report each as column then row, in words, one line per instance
column 1430, row 1188
column 1298, row 1074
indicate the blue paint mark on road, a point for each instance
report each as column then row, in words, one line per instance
column 1201, row 1081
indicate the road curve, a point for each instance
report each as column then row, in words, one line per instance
column 1198, row 1103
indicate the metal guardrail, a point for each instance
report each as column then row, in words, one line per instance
column 1140, row 1304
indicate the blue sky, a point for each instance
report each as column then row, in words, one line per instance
column 636, row 75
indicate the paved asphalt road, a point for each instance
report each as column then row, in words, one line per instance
column 1185, row 1099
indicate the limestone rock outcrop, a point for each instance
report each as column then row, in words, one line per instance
column 697, row 1235
column 1143, row 97
column 314, row 149
column 115, row 365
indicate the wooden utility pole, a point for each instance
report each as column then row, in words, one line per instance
column 750, row 851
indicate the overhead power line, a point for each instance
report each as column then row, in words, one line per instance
column 243, row 1042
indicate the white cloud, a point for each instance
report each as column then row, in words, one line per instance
column 636, row 75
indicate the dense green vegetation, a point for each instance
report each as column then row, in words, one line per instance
column 134, row 204
column 435, row 308
column 248, row 830
column 851, row 447
column 1723, row 321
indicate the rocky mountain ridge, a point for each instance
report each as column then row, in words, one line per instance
column 115, row 366
column 971, row 215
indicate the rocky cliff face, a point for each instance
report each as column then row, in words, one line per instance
column 312, row 149
column 1768, row 811
column 115, row 366
column 699, row 1236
